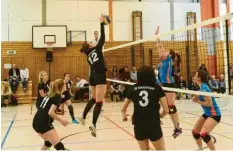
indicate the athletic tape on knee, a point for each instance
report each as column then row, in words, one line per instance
column 172, row 109
column 59, row 146
column 196, row 135
column 47, row 144
column 205, row 137
column 99, row 104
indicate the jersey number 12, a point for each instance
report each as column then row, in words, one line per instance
column 93, row 58
column 44, row 102
column 145, row 101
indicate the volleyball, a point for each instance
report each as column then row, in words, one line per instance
column 107, row 20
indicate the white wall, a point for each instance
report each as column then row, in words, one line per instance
column 77, row 15
column 19, row 16
column 180, row 13
column 153, row 14
column 83, row 15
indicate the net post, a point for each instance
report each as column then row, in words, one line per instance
column 226, row 56
column 227, row 60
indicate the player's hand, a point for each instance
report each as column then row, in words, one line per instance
column 102, row 18
column 125, row 117
column 64, row 122
column 157, row 31
column 195, row 98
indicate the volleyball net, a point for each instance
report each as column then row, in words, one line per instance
column 206, row 44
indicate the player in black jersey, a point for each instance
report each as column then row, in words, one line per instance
column 44, row 117
column 66, row 98
column 147, row 97
column 97, row 79
column 42, row 87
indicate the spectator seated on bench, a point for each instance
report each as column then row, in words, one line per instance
column 116, row 90
column 82, row 89
column 7, row 98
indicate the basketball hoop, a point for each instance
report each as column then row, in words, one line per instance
column 50, row 46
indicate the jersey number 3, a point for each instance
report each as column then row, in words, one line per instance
column 44, row 102
column 93, row 58
column 145, row 101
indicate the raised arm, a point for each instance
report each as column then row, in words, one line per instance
column 102, row 33
column 161, row 49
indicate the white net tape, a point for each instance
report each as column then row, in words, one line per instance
column 221, row 19
column 191, row 27
column 181, row 90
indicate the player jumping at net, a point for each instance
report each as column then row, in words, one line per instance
column 147, row 97
column 42, row 87
column 97, row 79
column 44, row 117
column 66, row 98
column 212, row 115
column 167, row 80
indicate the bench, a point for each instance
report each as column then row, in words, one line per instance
column 24, row 97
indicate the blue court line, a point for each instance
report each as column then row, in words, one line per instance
column 8, row 131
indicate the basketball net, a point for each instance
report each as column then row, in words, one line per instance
column 50, row 46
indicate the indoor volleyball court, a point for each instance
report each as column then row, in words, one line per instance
column 60, row 61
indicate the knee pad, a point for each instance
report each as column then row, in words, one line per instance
column 196, row 135
column 172, row 109
column 47, row 144
column 205, row 137
column 59, row 146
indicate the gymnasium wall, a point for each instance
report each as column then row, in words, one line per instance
column 153, row 14
column 181, row 9
column 19, row 15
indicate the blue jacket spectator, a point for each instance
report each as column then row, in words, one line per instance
column 222, row 84
column 213, row 83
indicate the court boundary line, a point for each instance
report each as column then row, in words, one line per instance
column 211, row 132
column 219, row 122
column 8, row 131
column 122, row 128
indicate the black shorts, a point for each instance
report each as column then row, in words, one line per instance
column 169, row 85
column 216, row 118
column 97, row 78
column 153, row 131
column 41, row 127
column 65, row 96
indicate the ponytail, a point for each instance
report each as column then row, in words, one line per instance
column 55, row 87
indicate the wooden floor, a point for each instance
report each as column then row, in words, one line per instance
column 112, row 134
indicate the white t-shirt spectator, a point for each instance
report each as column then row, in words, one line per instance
column 81, row 83
column 95, row 42
column 24, row 73
column 133, row 76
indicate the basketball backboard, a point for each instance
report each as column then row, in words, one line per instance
column 56, row 34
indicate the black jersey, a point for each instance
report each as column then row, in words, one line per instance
column 146, row 103
column 95, row 55
column 42, row 114
column 115, row 85
column 68, row 85
column 42, row 86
